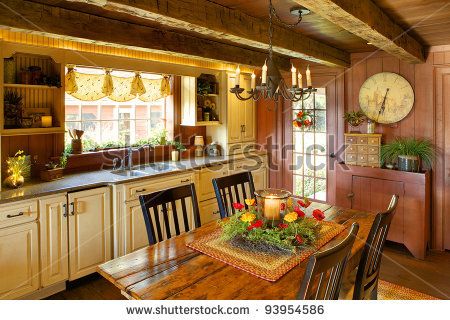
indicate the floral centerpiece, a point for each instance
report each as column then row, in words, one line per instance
column 303, row 119
column 249, row 229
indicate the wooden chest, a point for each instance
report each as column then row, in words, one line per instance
column 363, row 149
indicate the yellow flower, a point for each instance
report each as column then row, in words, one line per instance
column 291, row 217
column 250, row 202
column 248, row 217
column 289, row 203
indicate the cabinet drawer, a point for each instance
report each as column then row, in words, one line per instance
column 373, row 150
column 374, row 140
column 362, row 158
column 373, row 159
column 363, row 149
column 209, row 211
column 350, row 140
column 351, row 149
column 205, row 188
column 156, row 184
column 350, row 157
column 15, row 213
column 362, row 140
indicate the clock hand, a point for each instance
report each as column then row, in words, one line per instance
column 383, row 105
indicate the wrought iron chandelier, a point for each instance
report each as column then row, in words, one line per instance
column 272, row 83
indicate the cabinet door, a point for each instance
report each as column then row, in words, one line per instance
column 260, row 178
column 374, row 195
column 205, row 190
column 90, row 231
column 53, row 227
column 19, row 266
column 248, row 114
column 137, row 233
column 235, row 114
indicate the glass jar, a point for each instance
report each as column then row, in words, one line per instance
column 272, row 203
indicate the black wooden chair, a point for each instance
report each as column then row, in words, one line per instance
column 155, row 206
column 324, row 272
column 366, row 283
column 227, row 191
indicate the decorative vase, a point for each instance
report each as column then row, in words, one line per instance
column 14, row 181
column 175, row 155
column 77, row 146
column 370, row 126
column 272, row 204
column 409, row 163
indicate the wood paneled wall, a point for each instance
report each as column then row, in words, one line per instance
column 430, row 118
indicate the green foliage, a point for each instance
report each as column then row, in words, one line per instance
column 355, row 118
column 307, row 228
column 177, row 145
column 17, row 165
column 421, row 148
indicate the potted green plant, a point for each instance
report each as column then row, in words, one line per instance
column 178, row 147
column 355, row 118
column 13, row 109
column 409, row 153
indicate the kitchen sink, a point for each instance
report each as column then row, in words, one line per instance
column 158, row 167
column 129, row 173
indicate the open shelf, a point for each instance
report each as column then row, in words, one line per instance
column 29, row 86
column 28, row 131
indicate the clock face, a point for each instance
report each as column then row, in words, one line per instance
column 386, row 97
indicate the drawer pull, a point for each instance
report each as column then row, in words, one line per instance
column 14, row 215
column 185, row 180
column 216, row 212
column 141, row 190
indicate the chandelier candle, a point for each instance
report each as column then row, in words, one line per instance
column 308, row 78
column 300, row 80
column 264, row 74
column 238, row 75
column 253, row 83
column 294, row 76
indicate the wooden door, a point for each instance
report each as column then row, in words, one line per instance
column 248, row 113
column 374, row 195
column 90, row 231
column 19, row 262
column 234, row 114
column 54, row 243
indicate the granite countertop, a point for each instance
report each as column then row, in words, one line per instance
column 99, row 178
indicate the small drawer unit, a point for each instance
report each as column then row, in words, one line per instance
column 362, row 149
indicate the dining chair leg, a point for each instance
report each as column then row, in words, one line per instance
column 374, row 294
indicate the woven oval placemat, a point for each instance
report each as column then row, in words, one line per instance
column 268, row 266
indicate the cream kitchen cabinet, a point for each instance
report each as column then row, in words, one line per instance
column 241, row 115
column 19, row 260
column 131, row 231
column 90, row 230
column 54, row 239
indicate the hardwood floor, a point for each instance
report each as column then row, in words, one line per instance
column 398, row 266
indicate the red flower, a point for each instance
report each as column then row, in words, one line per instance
column 238, row 206
column 305, row 204
column 318, row 215
column 256, row 224
column 283, row 225
column 299, row 212
column 299, row 239
column 282, row 206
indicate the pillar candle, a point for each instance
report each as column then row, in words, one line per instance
column 46, row 121
column 272, row 209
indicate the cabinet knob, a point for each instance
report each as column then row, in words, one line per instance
column 350, row 195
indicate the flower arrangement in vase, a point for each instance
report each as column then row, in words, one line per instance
column 303, row 120
column 250, row 230
column 16, row 167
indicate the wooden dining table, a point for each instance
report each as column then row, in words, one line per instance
column 171, row 270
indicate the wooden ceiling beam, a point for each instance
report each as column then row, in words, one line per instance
column 366, row 20
column 212, row 20
column 62, row 23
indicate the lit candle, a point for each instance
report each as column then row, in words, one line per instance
column 264, row 73
column 294, row 76
column 308, row 77
column 272, row 209
column 253, row 82
column 238, row 75
column 46, row 121
column 300, row 80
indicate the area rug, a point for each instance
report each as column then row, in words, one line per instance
column 267, row 266
column 390, row 291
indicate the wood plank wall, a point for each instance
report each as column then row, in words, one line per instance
column 430, row 118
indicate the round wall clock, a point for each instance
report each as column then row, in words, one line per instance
column 386, row 97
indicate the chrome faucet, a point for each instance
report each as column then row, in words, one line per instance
column 130, row 149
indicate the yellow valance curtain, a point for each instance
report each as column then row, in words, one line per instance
column 91, row 87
